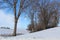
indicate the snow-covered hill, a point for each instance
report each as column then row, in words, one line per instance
column 49, row 34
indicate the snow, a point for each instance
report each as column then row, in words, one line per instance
column 10, row 31
column 49, row 34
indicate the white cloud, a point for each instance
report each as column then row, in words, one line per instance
column 6, row 20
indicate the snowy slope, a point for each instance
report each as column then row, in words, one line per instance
column 49, row 34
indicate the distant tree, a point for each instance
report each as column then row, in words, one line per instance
column 32, row 15
column 4, row 27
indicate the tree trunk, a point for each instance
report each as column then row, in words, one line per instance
column 15, row 27
column 15, row 20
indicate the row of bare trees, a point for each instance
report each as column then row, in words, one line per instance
column 46, row 14
column 42, row 13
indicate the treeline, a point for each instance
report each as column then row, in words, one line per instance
column 43, row 15
column 4, row 27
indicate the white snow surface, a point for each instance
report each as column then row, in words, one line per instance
column 49, row 34
column 10, row 31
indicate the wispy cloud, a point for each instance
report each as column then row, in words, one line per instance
column 6, row 20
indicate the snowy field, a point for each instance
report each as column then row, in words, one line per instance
column 10, row 31
column 49, row 34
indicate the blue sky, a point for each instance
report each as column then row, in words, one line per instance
column 7, row 20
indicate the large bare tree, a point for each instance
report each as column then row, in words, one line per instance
column 21, row 4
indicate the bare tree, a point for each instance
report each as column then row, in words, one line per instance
column 13, row 4
column 47, row 10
